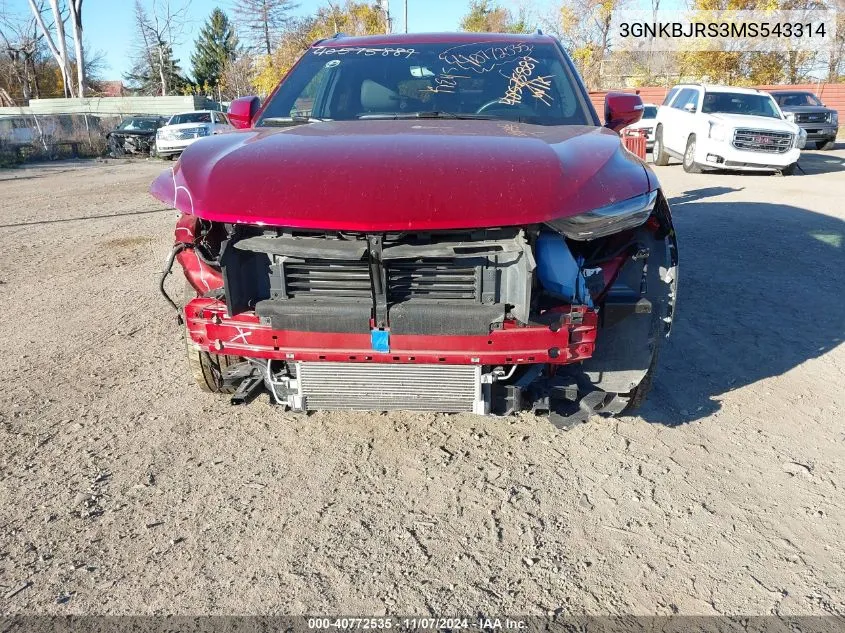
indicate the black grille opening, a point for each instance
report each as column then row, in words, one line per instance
column 432, row 279
column 335, row 278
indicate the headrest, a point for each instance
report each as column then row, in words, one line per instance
column 374, row 96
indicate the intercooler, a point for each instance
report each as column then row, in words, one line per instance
column 387, row 387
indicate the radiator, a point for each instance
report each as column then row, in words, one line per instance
column 388, row 387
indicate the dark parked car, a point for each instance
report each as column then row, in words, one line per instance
column 134, row 135
column 426, row 222
column 807, row 111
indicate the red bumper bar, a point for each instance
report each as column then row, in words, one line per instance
column 245, row 335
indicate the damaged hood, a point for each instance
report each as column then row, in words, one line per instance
column 396, row 175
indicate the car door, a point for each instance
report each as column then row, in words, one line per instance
column 666, row 114
column 683, row 112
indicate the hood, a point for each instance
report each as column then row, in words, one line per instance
column 755, row 122
column 185, row 126
column 402, row 175
column 806, row 108
column 642, row 123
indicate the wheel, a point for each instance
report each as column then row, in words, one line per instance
column 658, row 156
column 206, row 368
column 690, row 165
column 825, row 145
column 116, row 147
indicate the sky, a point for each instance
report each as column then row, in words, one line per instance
column 108, row 24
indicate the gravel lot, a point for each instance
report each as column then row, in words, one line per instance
column 124, row 489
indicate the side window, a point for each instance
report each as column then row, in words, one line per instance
column 687, row 95
column 681, row 99
column 694, row 99
column 669, row 96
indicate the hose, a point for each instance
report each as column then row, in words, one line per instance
column 178, row 248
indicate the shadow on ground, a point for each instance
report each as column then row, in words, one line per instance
column 820, row 163
column 762, row 290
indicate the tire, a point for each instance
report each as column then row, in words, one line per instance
column 690, row 166
column 825, row 145
column 116, row 148
column 658, row 155
column 206, row 368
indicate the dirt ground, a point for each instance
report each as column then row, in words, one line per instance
column 124, row 489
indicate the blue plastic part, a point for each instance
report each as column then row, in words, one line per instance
column 559, row 272
column 380, row 340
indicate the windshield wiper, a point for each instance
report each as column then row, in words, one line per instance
column 290, row 121
column 431, row 115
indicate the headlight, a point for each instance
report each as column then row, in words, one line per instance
column 789, row 116
column 613, row 218
column 718, row 132
column 801, row 138
column 834, row 118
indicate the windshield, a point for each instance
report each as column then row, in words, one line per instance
column 190, row 117
column 137, row 124
column 740, row 103
column 515, row 81
column 650, row 112
column 797, row 99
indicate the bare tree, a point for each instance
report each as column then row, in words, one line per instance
column 263, row 21
column 20, row 42
column 57, row 45
column 75, row 7
column 159, row 30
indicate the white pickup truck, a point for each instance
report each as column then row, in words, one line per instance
column 719, row 127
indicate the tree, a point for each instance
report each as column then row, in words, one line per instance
column 75, row 7
column 159, row 76
column 21, row 46
column 484, row 17
column 154, row 70
column 236, row 77
column 263, row 22
column 216, row 45
column 584, row 28
column 353, row 18
column 57, row 43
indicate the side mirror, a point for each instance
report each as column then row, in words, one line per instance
column 621, row 109
column 690, row 107
column 242, row 110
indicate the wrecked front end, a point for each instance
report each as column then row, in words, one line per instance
column 563, row 317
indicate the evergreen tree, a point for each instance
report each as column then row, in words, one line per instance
column 216, row 45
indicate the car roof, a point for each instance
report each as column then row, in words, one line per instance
column 404, row 39
column 721, row 88
column 195, row 112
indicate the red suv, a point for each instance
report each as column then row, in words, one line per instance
column 425, row 222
